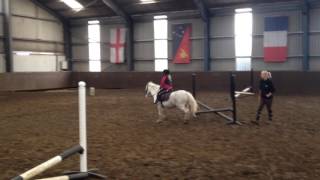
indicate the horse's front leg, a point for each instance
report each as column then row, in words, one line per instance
column 160, row 113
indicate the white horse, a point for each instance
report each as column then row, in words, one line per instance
column 181, row 99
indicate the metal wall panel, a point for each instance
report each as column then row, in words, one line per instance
column 80, row 66
column 50, row 31
column 23, row 7
column 1, row 46
column 110, row 67
column 79, row 34
column 80, row 52
column 143, row 31
column 314, row 20
column 222, row 48
column 1, row 23
column 314, row 42
column 29, row 30
column 37, row 46
column 292, row 64
column 143, row 44
column 2, row 64
column 222, row 26
column 1, row 6
column 223, row 65
column 44, row 14
column 144, row 66
column 314, row 63
column 144, row 50
column 36, row 29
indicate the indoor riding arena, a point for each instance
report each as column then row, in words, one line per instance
column 160, row 89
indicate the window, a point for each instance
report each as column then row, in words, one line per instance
column 94, row 46
column 243, row 38
column 160, row 25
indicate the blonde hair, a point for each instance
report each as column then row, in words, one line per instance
column 267, row 74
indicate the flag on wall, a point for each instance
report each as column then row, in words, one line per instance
column 117, row 45
column 181, row 43
column 275, row 39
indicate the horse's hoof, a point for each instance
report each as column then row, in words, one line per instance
column 158, row 121
column 186, row 122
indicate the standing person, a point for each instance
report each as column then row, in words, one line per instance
column 165, row 84
column 266, row 90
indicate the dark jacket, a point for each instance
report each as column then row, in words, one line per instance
column 266, row 87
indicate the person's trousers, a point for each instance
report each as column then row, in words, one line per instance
column 265, row 102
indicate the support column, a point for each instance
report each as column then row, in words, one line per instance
column 67, row 43
column 206, row 46
column 305, row 28
column 7, row 33
column 205, row 16
column 129, row 44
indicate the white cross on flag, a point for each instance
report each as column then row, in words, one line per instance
column 117, row 44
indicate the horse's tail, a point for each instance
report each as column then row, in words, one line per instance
column 193, row 105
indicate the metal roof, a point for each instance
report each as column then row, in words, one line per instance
column 97, row 8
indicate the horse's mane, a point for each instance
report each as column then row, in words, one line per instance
column 152, row 86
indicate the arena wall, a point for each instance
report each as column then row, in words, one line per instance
column 292, row 82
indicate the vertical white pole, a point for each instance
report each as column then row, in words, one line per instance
column 83, row 126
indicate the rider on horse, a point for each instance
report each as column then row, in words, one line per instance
column 165, row 85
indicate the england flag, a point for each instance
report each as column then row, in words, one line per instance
column 117, row 44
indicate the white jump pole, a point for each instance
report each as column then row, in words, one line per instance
column 83, row 126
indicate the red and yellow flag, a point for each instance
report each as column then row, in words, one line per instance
column 181, row 43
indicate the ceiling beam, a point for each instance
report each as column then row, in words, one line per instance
column 204, row 11
column 112, row 5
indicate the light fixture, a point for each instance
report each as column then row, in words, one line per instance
column 73, row 4
column 160, row 17
column 243, row 10
column 147, row 1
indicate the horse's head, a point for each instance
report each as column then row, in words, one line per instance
column 147, row 93
column 151, row 89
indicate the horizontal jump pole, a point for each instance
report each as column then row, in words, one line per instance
column 49, row 164
column 216, row 111
column 246, row 93
column 77, row 176
column 213, row 109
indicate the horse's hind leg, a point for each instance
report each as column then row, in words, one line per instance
column 186, row 111
column 160, row 113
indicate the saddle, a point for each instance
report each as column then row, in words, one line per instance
column 164, row 96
